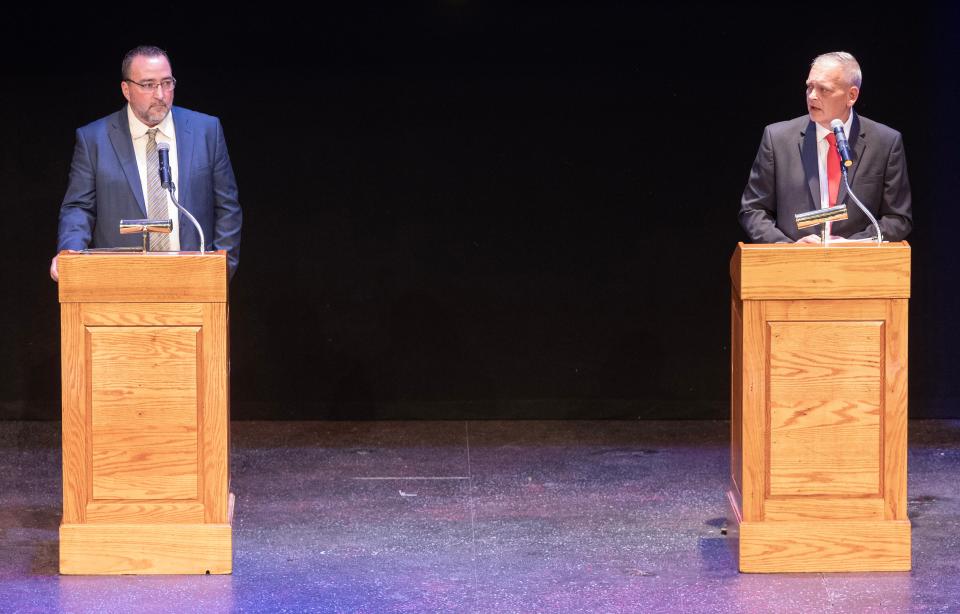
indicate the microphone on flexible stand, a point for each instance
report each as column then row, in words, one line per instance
column 843, row 148
column 166, row 182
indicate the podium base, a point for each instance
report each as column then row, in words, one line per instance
column 820, row 545
column 114, row 549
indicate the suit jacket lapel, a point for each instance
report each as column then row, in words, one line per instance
column 811, row 167
column 857, row 144
column 119, row 132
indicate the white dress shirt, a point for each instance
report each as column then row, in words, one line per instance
column 165, row 134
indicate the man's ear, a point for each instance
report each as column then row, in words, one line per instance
column 853, row 95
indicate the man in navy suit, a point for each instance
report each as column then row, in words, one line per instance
column 110, row 176
column 790, row 174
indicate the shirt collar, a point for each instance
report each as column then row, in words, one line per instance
column 821, row 131
column 138, row 129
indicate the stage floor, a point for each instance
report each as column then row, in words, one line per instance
column 564, row 516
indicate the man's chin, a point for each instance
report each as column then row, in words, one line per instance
column 156, row 115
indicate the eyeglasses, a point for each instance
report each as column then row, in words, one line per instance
column 165, row 85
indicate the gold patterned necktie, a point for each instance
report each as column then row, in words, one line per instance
column 156, row 196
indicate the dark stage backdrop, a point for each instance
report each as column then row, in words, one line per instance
column 459, row 209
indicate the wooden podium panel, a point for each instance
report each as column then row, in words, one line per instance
column 145, row 399
column 824, row 410
column 145, row 414
column 819, row 407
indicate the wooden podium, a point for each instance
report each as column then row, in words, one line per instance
column 819, row 407
column 145, row 414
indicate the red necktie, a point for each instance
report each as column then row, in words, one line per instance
column 833, row 168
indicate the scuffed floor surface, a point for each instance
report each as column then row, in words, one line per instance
column 477, row 517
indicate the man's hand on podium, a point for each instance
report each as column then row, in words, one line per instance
column 54, row 273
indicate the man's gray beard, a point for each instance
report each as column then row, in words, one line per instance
column 152, row 111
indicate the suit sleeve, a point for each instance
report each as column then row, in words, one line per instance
column 78, row 211
column 895, row 214
column 758, row 207
column 227, row 214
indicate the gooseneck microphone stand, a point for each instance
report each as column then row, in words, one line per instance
column 873, row 220
column 172, row 188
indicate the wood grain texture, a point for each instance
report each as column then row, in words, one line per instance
column 144, row 375
column 142, row 314
column 144, row 412
column 827, row 310
column 145, row 549
column 824, row 546
column 754, row 413
column 215, row 411
column 144, row 466
column 843, row 270
column 895, row 411
column 145, row 512
column 824, row 402
column 823, row 508
column 142, row 278
column 74, row 413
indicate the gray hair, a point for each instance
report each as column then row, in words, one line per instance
column 851, row 68
column 149, row 51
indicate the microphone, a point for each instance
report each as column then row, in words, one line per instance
column 843, row 148
column 166, row 182
column 163, row 153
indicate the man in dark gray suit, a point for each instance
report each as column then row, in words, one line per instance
column 113, row 175
column 791, row 173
